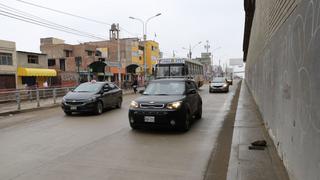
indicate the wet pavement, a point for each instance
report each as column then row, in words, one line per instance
column 252, row 164
column 46, row 144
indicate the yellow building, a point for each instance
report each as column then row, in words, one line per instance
column 152, row 54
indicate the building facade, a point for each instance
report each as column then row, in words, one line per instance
column 32, row 70
column 281, row 50
column 130, row 53
column 8, row 65
column 205, row 59
column 152, row 54
column 70, row 61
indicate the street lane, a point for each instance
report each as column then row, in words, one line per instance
column 47, row 144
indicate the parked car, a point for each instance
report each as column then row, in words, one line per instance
column 92, row 97
column 219, row 84
column 173, row 103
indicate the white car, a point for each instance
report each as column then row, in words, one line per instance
column 219, row 84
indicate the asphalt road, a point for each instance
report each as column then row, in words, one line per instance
column 46, row 144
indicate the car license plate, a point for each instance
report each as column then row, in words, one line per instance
column 73, row 107
column 149, row 119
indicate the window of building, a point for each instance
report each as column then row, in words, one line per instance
column 33, row 59
column 7, row 81
column 68, row 53
column 51, row 62
column 90, row 53
column 153, row 48
column 5, row 59
column 62, row 64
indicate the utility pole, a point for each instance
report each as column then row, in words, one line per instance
column 119, row 58
column 190, row 53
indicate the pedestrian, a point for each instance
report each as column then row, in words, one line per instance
column 135, row 85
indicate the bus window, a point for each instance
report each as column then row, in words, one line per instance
column 162, row 71
column 193, row 69
column 186, row 72
column 176, row 70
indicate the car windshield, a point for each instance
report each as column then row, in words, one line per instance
column 165, row 88
column 219, row 80
column 88, row 87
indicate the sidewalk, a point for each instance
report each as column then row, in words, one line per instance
column 12, row 107
column 245, row 164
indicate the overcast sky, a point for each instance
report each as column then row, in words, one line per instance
column 182, row 23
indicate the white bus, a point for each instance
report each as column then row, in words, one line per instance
column 177, row 67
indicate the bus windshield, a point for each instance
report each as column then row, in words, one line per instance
column 169, row 70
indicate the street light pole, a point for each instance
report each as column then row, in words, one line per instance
column 144, row 34
column 191, row 48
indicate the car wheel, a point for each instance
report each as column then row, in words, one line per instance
column 68, row 113
column 199, row 112
column 186, row 124
column 119, row 103
column 99, row 108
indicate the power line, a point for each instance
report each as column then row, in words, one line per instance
column 21, row 18
column 46, row 22
column 73, row 15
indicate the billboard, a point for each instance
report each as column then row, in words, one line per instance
column 236, row 62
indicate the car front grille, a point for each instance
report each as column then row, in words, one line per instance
column 74, row 103
column 151, row 106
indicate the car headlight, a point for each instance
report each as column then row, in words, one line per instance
column 92, row 99
column 225, row 85
column 174, row 105
column 63, row 100
column 134, row 104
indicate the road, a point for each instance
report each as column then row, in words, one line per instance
column 46, row 144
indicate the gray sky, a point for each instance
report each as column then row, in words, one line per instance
column 183, row 22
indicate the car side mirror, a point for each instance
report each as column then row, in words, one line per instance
column 141, row 91
column 192, row 91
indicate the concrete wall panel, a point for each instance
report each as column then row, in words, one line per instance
column 284, row 78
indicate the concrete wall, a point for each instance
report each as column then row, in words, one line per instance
column 8, row 47
column 22, row 60
column 283, row 73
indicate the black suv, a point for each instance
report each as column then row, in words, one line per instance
column 167, row 103
column 92, row 97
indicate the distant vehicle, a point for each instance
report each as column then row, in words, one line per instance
column 92, row 97
column 170, row 103
column 219, row 84
column 174, row 67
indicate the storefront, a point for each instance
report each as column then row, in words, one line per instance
column 35, row 77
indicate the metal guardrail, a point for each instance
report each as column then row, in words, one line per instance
column 19, row 99
column 32, row 95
